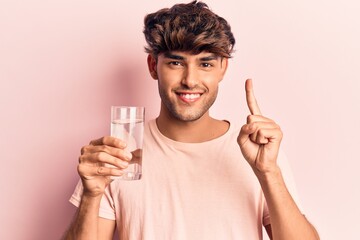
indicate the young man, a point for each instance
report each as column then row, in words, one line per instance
column 203, row 178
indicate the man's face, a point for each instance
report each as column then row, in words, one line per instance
column 188, row 84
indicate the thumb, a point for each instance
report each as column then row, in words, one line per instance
column 245, row 132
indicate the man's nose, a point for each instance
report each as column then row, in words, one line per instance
column 190, row 78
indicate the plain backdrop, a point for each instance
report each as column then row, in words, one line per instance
column 63, row 63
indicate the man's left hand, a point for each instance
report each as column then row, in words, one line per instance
column 260, row 137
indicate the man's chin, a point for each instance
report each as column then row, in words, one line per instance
column 187, row 117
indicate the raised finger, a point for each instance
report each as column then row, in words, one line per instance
column 250, row 98
column 258, row 118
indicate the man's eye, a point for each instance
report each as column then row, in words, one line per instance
column 175, row 63
column 206, row 65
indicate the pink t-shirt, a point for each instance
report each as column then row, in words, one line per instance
column 189, row 191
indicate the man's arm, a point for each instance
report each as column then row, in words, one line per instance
column 95, row 177
column 269, row 231
column 87, row 224
column 287, row 222
column 259, row 141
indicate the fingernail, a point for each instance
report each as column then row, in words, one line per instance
column 118, row 172
column 121, row 144
column 128, row 155
column 124, row 164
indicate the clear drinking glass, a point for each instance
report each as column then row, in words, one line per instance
column 127, row 124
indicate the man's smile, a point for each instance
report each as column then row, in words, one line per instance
column 189, row 97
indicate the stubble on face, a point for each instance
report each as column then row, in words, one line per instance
column 185, row 112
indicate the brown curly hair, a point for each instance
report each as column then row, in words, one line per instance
column 191, row 27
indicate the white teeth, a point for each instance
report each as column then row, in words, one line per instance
column 191, row 96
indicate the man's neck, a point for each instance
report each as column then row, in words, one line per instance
column 203, row 129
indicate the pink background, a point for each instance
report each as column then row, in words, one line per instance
column 64, row 63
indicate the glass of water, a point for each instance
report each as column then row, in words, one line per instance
column 127, row 124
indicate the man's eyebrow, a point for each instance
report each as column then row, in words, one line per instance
column 173, row 56
column 179, row 57
column 209, row 58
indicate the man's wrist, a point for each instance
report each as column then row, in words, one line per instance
column 90, row 200
column 93, row 194
column 270, row 177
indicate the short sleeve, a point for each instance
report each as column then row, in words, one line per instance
column 75, row 198
column 289, row 182
column 266, row 215
column 106, row 210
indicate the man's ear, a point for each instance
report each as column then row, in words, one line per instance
column 224, row 65
column 151, row 61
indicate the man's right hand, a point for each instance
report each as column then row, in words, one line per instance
column 93, row 169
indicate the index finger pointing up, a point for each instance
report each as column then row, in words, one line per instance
column 250, row 98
